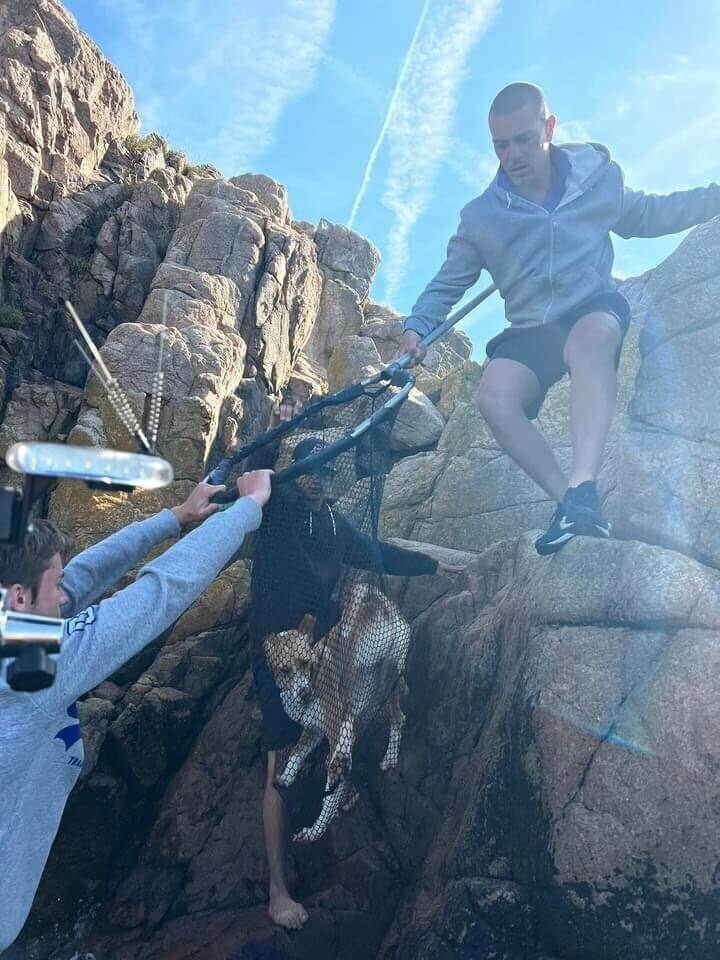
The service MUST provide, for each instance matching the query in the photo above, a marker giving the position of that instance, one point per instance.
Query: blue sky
(391, 96)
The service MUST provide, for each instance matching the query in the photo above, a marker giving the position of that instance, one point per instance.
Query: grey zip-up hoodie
(547, 263)
(41, 751)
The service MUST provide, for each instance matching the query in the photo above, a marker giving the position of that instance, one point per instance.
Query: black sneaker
(582, 507)
(579, 515)
(558, 533)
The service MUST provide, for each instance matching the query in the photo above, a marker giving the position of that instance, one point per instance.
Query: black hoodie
(299, 557)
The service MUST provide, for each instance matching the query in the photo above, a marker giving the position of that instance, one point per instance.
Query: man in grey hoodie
(542, 231)
(41, 750)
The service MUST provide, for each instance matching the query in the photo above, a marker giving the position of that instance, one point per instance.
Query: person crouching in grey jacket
(41, 750)
(542, 230)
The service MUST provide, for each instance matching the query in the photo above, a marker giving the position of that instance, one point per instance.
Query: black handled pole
(220, 472)
(439, 332)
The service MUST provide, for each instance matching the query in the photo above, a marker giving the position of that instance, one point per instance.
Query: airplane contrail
(386, 123)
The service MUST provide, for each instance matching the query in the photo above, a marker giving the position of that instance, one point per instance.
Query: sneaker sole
(552, 546)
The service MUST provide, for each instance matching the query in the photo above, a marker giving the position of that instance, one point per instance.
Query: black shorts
(540, 348)
(279, 730)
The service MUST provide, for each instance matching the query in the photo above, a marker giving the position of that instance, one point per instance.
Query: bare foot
(286, 912)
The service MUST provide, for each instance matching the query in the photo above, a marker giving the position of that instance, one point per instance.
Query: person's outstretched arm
(655, 215)
(88, 575)
(265, 457)
(363, 552)
(103, 637)
(461, 269)
(406, 563)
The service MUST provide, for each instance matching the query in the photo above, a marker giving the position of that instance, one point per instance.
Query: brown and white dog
(332, 686)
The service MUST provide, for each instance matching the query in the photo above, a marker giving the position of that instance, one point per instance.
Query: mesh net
(320, 619)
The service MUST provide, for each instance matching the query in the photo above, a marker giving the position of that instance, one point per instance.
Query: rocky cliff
(557, 793)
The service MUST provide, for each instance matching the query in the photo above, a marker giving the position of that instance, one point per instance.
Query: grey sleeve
(461, 269)
(102, 638)
(655, 215)
(92, 572)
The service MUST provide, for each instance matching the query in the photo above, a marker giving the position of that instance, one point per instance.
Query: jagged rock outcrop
(555, 797)
(39, 411)
(579, 797)
(346, 256)
(62, 107)
(666, 477)
(468, 494)
(61, 101)
(132, 242)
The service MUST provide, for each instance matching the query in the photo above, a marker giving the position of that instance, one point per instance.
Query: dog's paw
(339, 767)
(389, 762)
(351, 801)
(310, 834)
(289, 774)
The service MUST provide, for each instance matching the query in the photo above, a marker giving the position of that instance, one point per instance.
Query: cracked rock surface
(557, 793)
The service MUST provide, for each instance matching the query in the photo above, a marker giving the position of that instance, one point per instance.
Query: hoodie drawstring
(332, 520)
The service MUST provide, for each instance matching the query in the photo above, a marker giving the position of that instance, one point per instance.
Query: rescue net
(327, 640)
(320, 620)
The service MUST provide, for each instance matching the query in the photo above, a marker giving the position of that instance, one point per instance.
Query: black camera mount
(29, 639)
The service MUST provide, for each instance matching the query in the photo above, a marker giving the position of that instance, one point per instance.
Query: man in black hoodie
(303, 545)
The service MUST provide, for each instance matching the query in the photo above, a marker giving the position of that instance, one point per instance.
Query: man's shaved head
(517, 96)
(521, 133)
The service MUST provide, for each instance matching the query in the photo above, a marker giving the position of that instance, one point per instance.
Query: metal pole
(439, 332)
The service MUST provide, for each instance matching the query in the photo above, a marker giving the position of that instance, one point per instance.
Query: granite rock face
(62, 102)
(555, 798)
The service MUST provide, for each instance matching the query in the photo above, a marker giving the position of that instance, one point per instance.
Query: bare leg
(590, 356)
(283, 910)
(505, 388)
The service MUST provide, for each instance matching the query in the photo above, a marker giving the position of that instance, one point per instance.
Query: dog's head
(292, 657)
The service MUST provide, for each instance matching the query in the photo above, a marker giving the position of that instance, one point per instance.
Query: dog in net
(328, 644)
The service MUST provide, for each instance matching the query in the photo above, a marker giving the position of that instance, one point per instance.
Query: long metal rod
(220, 472)
(90, 362)
(332, 450)
(115, 393)
(156, 396)
(95, 353)
(439, 332)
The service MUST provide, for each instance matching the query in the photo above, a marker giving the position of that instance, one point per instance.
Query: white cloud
(571, 131)
(273, 62)
(363, 86)
(671, 127)
(392, 104)
(421, 127)
(474, 168)
(541, 17)
(138, 23)
(247, 68)
(685, 158)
